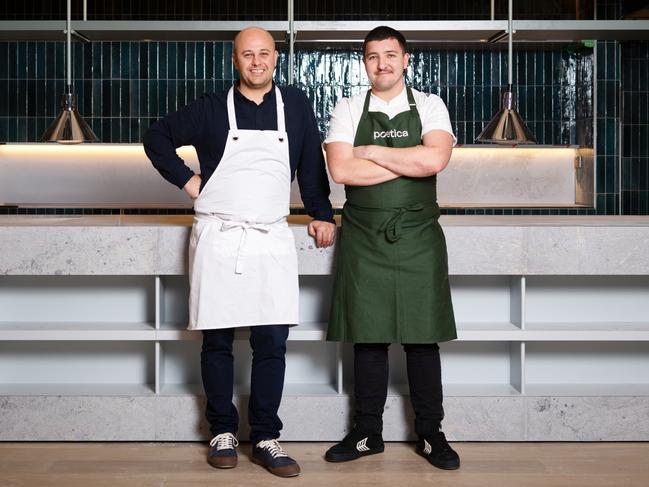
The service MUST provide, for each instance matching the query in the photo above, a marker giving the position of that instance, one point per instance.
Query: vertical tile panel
(153, 52)
(115, 60)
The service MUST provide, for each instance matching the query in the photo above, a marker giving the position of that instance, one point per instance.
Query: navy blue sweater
(204, 124)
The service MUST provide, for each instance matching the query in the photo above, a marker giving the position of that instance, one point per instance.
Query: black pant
(268, 344)
(371, 386)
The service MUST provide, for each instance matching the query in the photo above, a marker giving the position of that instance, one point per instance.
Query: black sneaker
(222, 453)
(438, 452)
(355, 445)
(269, 454)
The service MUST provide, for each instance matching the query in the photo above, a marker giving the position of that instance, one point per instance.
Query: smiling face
(385, 62)
(255, 58)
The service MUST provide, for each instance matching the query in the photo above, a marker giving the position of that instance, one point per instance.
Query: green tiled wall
(124, 86)
(608, 125)
(635, 128)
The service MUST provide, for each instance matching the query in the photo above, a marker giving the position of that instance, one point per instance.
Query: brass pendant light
(507, 127)
(69, 127)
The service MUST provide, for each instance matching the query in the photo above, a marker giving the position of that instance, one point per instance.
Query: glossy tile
(124, 86)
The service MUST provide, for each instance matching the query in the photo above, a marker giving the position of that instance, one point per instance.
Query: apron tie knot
(244, 226)
(393, 225)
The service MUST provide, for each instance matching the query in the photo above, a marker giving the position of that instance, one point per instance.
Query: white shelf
(467, 332)
(479, 332)
(443, 31)
(578, 30)
(76, 389)
(56, 331)
(181, 389)
(585, 332)
(302, 332)
(289, 390)
(176, 331)
(135, 30)
(452, 389)
(482, 390)
(413, 30)
(447, 31)
(586, 390)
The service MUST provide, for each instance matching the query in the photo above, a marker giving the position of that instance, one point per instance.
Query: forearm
(361, 172)
(418, 161)
(184, 127)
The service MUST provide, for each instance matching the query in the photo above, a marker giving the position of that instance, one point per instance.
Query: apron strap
(393, 225)
(366, 105)
(245, 228)
(281, 122)
(411, 102)
(281, 119)
(232, 117)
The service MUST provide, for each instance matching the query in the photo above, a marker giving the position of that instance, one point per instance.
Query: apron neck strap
(366, 105)
(232, 117)
(411, 101)
(281, 122)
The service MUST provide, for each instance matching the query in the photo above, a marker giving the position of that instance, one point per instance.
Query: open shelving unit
(549, 341)
(517, 335)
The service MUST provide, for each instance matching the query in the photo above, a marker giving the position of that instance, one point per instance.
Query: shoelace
(224, 441)
(273, 448)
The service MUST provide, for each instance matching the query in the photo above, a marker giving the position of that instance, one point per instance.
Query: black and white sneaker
(438, 452)
(355, 445)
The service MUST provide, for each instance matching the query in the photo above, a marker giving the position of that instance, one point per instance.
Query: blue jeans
(268, 344)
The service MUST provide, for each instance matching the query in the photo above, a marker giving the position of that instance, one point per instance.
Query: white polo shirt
(347, 114)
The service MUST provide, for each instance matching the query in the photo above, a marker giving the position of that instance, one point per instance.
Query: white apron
(242, 259)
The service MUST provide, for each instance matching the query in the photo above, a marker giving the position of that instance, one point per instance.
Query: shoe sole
(440, 466)
(344, 458)
(222, 466)
(262, 464)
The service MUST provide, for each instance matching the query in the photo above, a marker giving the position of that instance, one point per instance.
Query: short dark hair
(382, 33)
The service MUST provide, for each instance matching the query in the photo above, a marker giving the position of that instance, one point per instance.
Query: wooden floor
(183, 464)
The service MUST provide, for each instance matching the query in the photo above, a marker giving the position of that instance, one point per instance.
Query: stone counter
(553, 333)
(477, 245)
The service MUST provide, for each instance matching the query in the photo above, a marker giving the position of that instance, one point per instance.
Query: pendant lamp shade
(69, 126)
(507, 127)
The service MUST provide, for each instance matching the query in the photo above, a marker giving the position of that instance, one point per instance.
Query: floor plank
(183, 464)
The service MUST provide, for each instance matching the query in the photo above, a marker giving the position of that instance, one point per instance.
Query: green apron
(391, 283)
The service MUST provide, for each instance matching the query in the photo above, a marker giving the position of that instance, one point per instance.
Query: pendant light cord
(510, 43)
(291, 40)
(69, 46)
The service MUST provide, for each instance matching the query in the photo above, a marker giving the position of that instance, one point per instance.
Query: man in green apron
(391, 285)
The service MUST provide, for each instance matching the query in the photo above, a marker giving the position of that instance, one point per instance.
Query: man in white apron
(251, 140)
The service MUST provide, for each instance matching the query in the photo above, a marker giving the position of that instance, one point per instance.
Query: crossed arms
(367, 165)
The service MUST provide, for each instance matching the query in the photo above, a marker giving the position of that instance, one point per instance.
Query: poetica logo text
(390, 134)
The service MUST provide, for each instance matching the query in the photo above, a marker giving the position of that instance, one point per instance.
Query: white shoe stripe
(362, 445)
(427, 448)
